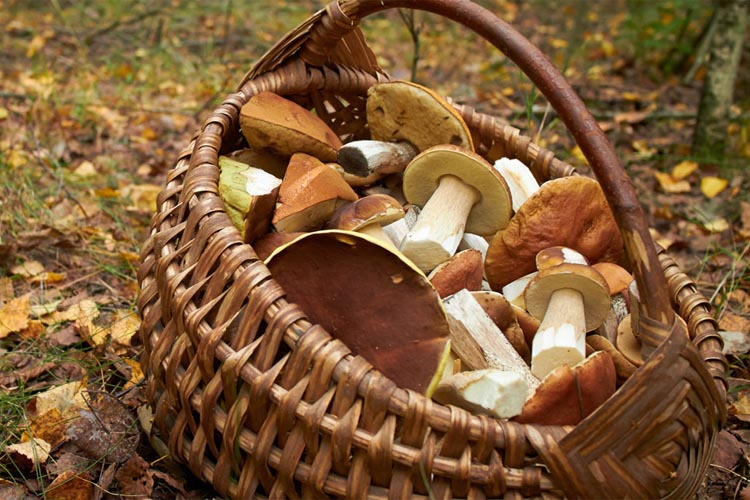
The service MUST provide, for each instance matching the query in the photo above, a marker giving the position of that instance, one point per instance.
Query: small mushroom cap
(627, 344)
(422, 177)
(556, 255)
(372, 299)
(375, 208)
(569, 211)
(272, 123)
(617, 277)
(504, 315)
(405, 111)
(568, 395)
(463, 270)
(584, 279)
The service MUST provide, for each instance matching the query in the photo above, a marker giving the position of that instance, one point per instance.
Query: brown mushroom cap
(582, 278)
(503, 314)
(375, 208)
(272, 123)
(616, 276)
(422, 177)
(570, 211)
(627, 344)
(568, 395)
(463, 270)
(406, 111)
(372, 299)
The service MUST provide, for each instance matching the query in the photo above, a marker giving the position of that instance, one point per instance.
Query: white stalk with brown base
(440, 226)
(570, 299)
(458, 191)
(561, 338)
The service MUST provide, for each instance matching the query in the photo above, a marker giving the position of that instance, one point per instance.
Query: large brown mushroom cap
(272, 123)
(422, 177)
(568, 395)
(372, 299)
(571, 212)
(406, 111)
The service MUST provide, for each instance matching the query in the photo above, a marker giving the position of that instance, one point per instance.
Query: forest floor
(98, 98)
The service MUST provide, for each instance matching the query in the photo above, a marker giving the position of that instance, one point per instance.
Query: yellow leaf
(716, 225)
(3, 113)
(684, 169)
(67, 399)
(143, 197)
(642, 147)
(122, 329)
(48, 277)
(14, 315)
(578, 154)
(669, 185)
(711, 186)
(86, 169)
(136, 373)
(30, 454)
(28, 268)
(35, 45)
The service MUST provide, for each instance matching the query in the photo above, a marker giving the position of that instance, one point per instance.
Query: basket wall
(256, 400)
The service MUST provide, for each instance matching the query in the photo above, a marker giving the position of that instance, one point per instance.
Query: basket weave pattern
(256, 400)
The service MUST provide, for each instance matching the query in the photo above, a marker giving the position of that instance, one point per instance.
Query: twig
(414, 31)
(227, 27)
(119, 22)
(700, 54)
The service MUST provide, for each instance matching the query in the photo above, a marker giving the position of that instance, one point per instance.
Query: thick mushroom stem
(366, 157)
(561, 338)
(440, 226)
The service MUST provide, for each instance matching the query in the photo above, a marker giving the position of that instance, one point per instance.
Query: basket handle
(590, 138)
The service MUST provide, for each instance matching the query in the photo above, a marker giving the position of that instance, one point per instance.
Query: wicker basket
(258, 401)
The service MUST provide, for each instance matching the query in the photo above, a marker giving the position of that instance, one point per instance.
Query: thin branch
(119, 22)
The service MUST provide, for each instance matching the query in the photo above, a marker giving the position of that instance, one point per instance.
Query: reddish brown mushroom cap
(571, 212)
(568, 395)
(372, 299)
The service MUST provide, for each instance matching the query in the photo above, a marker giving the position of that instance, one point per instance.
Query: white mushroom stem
(498, 393)
(513, 291)
(440, 226)
(519, 179)
(364, 158)
(398, 230)
(561, 338)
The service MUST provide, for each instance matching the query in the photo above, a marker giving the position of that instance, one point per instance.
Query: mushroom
(463, 271)
(458, 191)
(272, 123)
(266, 244)
(404, 119)
(569, 211)
(368, 215)
(370, 298)
(477, 340)
(273, 164)
(627, 344)
(309, 194)
(569, 394)
(569, 299)
(618, 279)
(249, 196)
(505, 316)
(498, 393)
(398, 230)
(513, 291)
(520, 180)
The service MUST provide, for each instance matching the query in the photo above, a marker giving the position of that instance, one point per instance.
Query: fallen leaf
(712, 186)
(684, 169)
(67, 399)
(3, 113)
(14, 315)
(135, 478)
(28, 455)
(735, 342)
(6, 289)
(142, 197)
(28, 269)
(47, 277)
(734, 322)
(717, 225)
(669, 185)
(86, 169)
(70, 485)
(741, 406)
(136, 373)
(49, 426)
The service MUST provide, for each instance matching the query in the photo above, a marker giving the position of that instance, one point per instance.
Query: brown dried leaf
(49, 426)
(135, 478)
(14, 315)
(106, 430)
(70, 486)
(28, 455)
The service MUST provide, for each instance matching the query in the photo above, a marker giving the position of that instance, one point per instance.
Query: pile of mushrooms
(455, 274)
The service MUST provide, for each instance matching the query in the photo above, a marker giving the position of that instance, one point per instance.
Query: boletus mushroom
(458, 191)
(569, 211)
(570, 299)
(372, 299)
(404, 119)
